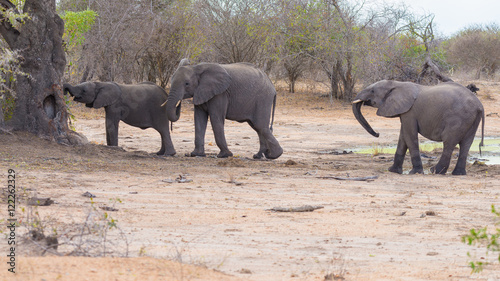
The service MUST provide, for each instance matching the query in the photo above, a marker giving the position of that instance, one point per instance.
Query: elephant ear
(398, 100)
(106, 94)
(213, 80)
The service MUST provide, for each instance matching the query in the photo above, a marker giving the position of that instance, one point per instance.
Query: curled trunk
(356, 109)
(67, 88)
(173, 107)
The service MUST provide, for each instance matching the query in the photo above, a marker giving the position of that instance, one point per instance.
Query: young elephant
(137, 105)
(239, 92)
(447, 112)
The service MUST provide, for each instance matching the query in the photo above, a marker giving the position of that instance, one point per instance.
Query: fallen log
(370, 178)
(305, 208)
(429, 63)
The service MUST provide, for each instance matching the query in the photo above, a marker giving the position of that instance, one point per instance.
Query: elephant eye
(187, 83)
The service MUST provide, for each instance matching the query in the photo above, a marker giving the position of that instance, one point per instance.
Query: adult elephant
(447, 112)
(239, 92)
(138, 105)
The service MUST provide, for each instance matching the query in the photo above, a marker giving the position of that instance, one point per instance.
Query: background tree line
(336, 42)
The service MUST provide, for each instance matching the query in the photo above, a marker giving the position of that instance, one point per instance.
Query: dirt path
(396, 227)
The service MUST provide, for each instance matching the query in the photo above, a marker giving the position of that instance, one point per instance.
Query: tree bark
(40, 107)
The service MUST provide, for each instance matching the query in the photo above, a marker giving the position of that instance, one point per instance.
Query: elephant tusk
(177, 105)
(163, 104)
(357, 101)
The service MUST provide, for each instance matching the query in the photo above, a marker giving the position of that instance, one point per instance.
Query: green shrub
(481, 237)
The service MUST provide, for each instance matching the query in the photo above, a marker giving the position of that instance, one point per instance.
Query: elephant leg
(217, 123)
(462, 157)
(111, 130)
(399, 157)
(200, 127)
(409, 131)
(269, 145)
(416, 161)
(263, 145)
(167, 147)
(275, 149)
(464, 152)
(262, 148)
(444, 162)
(465, 144)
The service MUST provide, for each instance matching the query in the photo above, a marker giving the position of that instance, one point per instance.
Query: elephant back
(250, 76)
(144, 96)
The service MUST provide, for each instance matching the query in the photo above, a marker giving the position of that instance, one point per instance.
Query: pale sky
(452, 16)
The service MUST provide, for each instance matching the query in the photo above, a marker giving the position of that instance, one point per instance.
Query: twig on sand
(305, 208)
(232, 181)
(370, 178)
(107, 208)
(180, 179)
(37, 201)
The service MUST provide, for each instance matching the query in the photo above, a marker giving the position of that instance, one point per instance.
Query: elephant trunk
(356, 109)
(173, 107)
(68, 88)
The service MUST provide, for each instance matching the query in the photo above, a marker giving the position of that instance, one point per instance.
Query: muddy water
(490, 150)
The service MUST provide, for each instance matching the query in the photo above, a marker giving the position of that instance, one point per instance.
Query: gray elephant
(446, 112)
(239, 92)
(138, 105)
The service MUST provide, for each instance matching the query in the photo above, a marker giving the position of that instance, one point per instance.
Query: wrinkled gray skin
(138, 105)
(447, 112)
(239, 92)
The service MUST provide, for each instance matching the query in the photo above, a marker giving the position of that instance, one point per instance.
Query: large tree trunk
(40, 107)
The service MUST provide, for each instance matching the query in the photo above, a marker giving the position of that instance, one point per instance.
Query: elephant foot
(195, 154)
(397, 170)
(166, 153)
(275, 155)
(225, 154)
(416, 171)
(439, 170)
(258, 155)
(397, 165)
(459, 172)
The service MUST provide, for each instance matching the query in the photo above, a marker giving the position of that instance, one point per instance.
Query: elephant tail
(272, 118)
(482, 133)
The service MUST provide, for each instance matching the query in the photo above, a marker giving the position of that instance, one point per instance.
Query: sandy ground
(214, 223)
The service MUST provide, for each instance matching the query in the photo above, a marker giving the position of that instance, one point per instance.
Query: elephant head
(94, 94)
(200, 82)
(472, 88)
(392, 99)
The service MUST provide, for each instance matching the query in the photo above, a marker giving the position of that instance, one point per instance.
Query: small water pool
(490, 150)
